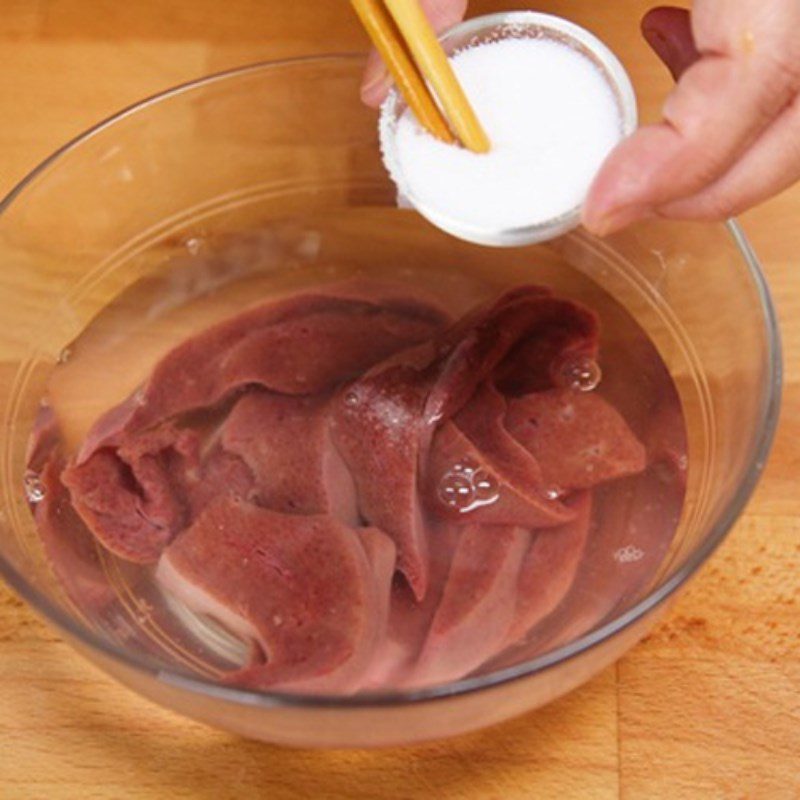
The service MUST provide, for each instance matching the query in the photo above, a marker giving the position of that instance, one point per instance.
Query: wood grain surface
(707, 706)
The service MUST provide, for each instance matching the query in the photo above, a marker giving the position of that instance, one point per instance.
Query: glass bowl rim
(763, 438)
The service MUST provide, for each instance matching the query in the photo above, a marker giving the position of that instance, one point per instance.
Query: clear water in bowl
(632, 520)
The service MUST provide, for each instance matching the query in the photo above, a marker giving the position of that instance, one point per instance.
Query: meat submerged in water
(286, 444)
(302, 345)
(133, 498)
(138, 474)
(303, 587)
(477, 605)
(386, 421)
(374, 495)
(578, 438)
(477, 468)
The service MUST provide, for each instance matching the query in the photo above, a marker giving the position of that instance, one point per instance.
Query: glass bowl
(493, 28)
(294, 188)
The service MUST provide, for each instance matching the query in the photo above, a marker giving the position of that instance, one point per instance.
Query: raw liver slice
(133, 498)
(376, 426)
(477, 441)
(471, 623)
(302, 346)
(104, 499)
(287, 446)
(559, 329)
(549, 568)
(634, 522)
(665, 438)
(410, 619)
(302, 587)
(384, 422)
(71, 550)
(480, 344)
(578, 439)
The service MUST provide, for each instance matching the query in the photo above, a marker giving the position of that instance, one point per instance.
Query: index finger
(720, 106)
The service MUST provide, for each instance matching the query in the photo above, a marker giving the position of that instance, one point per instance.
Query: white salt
(552, 118)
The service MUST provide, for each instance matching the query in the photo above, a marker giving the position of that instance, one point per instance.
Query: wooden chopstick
(387, 39)
(405, 20)
(434, 65)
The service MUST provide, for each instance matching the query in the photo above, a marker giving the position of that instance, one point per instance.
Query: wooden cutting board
(707, 706)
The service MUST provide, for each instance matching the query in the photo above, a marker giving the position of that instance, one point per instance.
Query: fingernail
(617, 219)
(373, 92)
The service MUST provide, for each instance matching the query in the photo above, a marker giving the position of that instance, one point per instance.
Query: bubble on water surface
(467, 486)
(34, 489)
(194, 244)
(581, 373)
(486, 487)
(65, 355)
(351, 399)
(552, 492)
(628, 554)
(456, 490)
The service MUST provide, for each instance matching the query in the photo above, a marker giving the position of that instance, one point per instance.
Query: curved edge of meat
(132, 498)
(472, 620)
(303, 587)
(70, 549)
(475, 451)
(634, 523)
(268, 345)
(410, 619)
(578, 438)
(523, 332)
(375, 426)
(287, 444)
(549, 568)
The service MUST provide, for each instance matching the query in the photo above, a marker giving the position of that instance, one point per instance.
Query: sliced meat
(285, 441)
(665, 438)
(133, 499)
(105, 498)
(246, 462)
(376, 426)
(382, 556)
(635, 520)
(577, 438)
(557, 331)
(384, 423)
(393, 664)
(473, 348)
(302, 587)
(302, 345)
(472, 621)
(549, 568)
(477, 472)
(71, 550)
(220, 473)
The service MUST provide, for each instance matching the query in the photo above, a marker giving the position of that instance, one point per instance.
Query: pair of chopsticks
(402, 35)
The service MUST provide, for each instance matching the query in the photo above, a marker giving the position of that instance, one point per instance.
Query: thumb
(669, 32)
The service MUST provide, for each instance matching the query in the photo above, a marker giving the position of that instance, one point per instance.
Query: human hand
(376, 82)
(730, 137)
